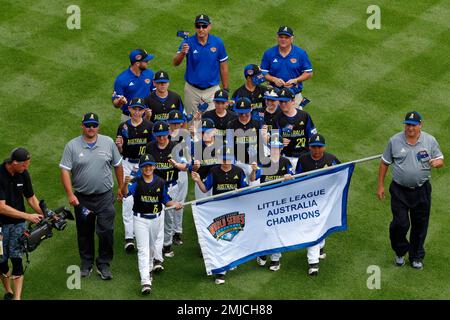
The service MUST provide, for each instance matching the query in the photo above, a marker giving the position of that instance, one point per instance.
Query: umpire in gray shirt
(412, 153)
(86, 165)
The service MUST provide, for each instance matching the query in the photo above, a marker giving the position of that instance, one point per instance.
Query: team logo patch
(293, 60)
(138, 57)
(213, 49)
(147, 81)
(227, 226)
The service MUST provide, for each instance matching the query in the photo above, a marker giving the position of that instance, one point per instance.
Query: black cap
(317, 140)
(161, 76)
(19, 154)
(137, 102)
(413, 118)
(285, 94)
(285, 30)
(90, 117)
(202, 18)
(146, 160)
(243, 105)
(221, 95)
(175, 116)
(207, 124)
(161, 128)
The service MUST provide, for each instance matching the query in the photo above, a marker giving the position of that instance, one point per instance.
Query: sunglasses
(201, 26)
(91, 125)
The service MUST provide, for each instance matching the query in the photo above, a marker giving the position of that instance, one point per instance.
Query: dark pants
(101, 221)
(410, 207)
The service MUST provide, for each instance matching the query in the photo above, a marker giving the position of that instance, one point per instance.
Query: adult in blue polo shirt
(287, 65)
(206, 65)
(134, 82)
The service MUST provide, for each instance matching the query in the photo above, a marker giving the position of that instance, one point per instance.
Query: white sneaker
(274, 266)
(261, 261)
(146, 289)
(220, 279)
(399, 261)
(313, 269)
(322, 255)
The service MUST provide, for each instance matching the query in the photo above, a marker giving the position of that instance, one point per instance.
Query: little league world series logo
(227, 226)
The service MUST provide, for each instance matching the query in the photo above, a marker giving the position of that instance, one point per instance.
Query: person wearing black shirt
(315, 159)
(252, 88)
(150, 194)
(161, 101)
(270, 109)
(132, 138)
(15, 184)
(168, 164)
(296, 126)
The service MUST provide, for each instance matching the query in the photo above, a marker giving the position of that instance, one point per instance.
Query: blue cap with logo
(413, 118)
(243, 105)
(146, 160)
(317, 140)
(161, 128)
(137, 102)
(175, 116)
(139, 55)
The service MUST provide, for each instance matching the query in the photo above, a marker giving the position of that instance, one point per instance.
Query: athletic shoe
(129, 245)
(177, 239)
(167, 251)
(157, 266)
(234, 268)
(84, 273)
(146, 289)
(417, 264)
(261, 261)
(322, 255)
(274, 265)
(313, 269)
(104, 273)
(8, 296)
(399, 261)
(220, 279)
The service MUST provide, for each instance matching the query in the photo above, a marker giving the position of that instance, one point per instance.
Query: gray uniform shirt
(91, 168)
(411, 163)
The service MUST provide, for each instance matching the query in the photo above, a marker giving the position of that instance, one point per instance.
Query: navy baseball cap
(137, 102)
(161, 128)
(413, 118)
(175, 116)
(221, 95)
(161, 77)
(251, 70)
(207, 124)
(202, 18)
(139, 55)
(285, 30)
(146, 160)
(285, 94)
(271, 94)
(243, 105)
(90, 117)
(19, 154)
(317, 140)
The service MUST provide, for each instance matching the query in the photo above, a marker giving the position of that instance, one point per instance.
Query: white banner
(281, 217)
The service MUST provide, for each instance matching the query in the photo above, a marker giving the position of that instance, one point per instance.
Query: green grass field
(364, 82)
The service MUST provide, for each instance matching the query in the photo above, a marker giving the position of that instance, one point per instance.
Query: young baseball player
(222, 178)
(132, 137)
(150, 194)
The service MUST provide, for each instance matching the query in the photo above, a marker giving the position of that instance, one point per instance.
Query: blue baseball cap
(271, 94)
(90, 117)
(161, 77)
(175, 116)
(207, 124)
(285, 30)
(221, 95)
(161, 128)
(202, 18)
(137, 102)
(146, 160)
(243, 105)
(251, 70)
(414, 118)
(285, 94)
(317, 140)
(139, 55)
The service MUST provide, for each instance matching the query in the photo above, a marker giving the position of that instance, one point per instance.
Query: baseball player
(296, 126)
(176, 121)
(270, 109)
(150, 194)
(168, 166)
(317, 158)
(278, 167)
(162, 100)
(134, 82)
(222, 178)
(132, 138)
(252, 88)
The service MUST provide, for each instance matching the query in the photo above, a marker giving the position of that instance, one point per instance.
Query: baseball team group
(223, 141)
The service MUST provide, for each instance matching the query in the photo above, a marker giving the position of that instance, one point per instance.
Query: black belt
(149, 216)
(409, 188)
(130, 160)
(198, 87)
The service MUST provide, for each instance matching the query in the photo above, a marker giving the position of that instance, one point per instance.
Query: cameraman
(15, 183)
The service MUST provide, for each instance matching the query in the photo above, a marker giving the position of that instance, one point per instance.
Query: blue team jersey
(286, 68)
(130, 86)
(203, 62)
